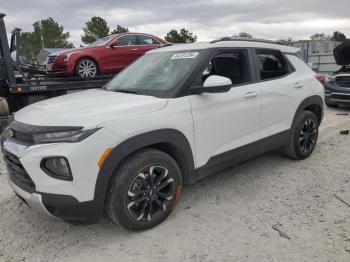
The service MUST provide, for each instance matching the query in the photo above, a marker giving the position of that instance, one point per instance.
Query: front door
(227, 121)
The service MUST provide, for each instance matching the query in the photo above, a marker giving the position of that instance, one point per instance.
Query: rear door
(281, 91)
(146, 43)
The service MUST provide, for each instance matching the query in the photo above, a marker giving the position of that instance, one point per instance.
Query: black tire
(304, 136)
(91, 68)
(130, 185)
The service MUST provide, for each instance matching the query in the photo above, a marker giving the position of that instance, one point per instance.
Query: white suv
(171, 118)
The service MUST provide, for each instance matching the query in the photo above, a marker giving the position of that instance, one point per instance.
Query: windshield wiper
(127, 91)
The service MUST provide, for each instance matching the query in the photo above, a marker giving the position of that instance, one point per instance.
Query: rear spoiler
(342, 53)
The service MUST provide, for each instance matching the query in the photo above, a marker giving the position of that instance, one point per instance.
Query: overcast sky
(272, 19)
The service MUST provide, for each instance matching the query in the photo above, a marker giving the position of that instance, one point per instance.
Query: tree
(94, 29)
(285, 41)
(119, 30)
(320, 36)
(184, 36)
(338, 36)
(244, 34)
(47, 33)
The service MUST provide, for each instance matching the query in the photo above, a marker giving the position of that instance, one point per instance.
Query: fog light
(57, 167)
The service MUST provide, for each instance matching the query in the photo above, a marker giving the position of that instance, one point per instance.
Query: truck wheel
(86, 67)
(144, 190)
(304, 136)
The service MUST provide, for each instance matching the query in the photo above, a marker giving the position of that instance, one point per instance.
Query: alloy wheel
(308, 135)
(87, 68)
(150, 193)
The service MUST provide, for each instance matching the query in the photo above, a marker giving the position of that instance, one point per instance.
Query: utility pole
(41, 36)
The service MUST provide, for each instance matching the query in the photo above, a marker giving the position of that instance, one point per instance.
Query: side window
(127, 40)
(271, 64)
(230, 64)
(146, 40)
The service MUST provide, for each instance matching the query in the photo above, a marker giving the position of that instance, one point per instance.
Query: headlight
(67, 136)
(67, 56)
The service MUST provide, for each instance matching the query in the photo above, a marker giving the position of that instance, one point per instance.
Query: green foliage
(320, 36)
(285, 41)
(184, 36)
(94, 29)
(47, 33)
(338, 36)
(244, 34)
(119, 30)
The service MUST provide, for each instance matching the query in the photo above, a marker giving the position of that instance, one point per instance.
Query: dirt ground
(230, 216)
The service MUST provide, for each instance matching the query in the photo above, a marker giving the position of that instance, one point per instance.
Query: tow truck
(23, 84)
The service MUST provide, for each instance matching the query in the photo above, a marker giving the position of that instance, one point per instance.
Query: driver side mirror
(213, 84)
(115, 43)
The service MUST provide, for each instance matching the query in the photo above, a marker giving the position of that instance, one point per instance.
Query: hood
(73, 50)
(342, 53)
(88, 108)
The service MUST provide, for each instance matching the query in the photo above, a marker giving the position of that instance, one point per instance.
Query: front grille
(340, 97)
(51, 59)
(343, 81)
(17, 173)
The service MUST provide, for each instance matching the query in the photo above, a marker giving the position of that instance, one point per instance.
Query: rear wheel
(86, 67)
(304, 136)
(144, 190)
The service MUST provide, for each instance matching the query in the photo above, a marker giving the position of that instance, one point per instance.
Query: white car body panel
(88, 108)
(224, 121)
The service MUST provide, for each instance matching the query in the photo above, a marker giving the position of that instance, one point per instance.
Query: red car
(107, 55)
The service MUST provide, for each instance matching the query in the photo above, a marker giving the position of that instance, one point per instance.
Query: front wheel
(86, 68)
(144, 190)
(304, 136)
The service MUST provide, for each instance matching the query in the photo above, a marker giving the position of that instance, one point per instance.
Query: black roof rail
(248, 39)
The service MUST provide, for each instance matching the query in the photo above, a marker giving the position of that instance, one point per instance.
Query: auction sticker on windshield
(188, 55)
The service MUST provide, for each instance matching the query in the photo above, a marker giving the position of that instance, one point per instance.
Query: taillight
(321, 78)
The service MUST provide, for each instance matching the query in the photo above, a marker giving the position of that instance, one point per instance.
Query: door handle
(298, 85)
(251, 95)
(134, 49)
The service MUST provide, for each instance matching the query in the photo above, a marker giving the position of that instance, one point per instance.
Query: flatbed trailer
(24, 84)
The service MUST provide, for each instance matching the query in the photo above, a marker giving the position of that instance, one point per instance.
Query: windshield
(101, 41)
(155, 73)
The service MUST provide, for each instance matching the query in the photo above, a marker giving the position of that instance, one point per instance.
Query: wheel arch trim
(310, 101)
(133, 144)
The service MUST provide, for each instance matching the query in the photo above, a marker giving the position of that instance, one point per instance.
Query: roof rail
(248, 39)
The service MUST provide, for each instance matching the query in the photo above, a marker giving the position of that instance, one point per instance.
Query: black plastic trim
(230, 158)
(27, 128)
(51, 174)
(312, 100)
(121, 151)
(70, 209)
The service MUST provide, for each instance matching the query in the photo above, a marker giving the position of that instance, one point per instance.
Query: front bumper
(73, 201)
(335, 94)
(33, 200)
(337, 98)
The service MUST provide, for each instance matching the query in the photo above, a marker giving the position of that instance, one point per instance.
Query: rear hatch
(342, 53)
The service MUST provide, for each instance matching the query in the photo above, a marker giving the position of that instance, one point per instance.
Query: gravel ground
(226, 217)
